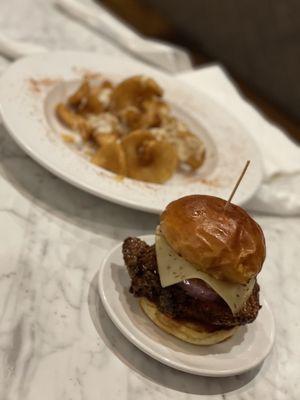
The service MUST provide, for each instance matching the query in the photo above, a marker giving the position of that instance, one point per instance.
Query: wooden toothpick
(237, 184)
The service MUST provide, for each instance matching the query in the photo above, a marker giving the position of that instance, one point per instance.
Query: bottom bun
(186, 331)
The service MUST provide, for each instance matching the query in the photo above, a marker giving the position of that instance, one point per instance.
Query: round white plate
(31, 87)
(245, 350)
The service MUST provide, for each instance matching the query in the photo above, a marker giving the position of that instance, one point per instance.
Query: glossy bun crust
(226, 244)
(190, 332)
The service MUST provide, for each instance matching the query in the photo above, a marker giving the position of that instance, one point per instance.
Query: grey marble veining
(56, 341)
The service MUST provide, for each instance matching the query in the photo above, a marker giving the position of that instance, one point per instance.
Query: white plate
(31, 87)
(245, 350)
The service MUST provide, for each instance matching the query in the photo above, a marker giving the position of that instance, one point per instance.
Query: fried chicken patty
(141, 263)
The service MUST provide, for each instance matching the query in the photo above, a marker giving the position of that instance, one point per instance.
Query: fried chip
(111, 157)
(149, 159)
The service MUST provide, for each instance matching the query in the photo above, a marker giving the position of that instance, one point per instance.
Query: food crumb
(68, 138)
(119, 178)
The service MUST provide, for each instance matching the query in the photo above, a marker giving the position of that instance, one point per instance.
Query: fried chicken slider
(198, 282)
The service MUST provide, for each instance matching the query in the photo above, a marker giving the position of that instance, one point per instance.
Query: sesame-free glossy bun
(189, 332)
(226, 244)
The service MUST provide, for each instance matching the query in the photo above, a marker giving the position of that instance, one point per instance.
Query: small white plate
(245, 350)
(31, 87)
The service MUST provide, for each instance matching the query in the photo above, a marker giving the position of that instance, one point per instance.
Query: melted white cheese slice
(173, 269)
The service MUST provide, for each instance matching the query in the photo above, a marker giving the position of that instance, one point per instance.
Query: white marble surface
(56, 341)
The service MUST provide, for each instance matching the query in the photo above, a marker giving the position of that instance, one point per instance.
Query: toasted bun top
(226, 244)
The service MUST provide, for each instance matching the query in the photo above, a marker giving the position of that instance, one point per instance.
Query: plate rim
(166, 360)
(87, 186)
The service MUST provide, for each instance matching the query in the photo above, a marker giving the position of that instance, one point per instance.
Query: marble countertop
(56, 341)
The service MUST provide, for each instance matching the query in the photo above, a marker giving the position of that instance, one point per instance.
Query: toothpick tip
(237, 184)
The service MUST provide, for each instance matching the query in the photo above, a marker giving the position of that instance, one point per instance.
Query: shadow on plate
(64, 201)
(151, 369)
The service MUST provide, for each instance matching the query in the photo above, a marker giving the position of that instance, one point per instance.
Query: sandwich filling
(174, 269)
(183, 293)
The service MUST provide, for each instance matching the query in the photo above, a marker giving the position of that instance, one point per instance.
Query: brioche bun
(226, 244)
(187, 331)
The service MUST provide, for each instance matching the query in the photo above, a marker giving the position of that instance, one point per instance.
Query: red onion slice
(198, 289)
